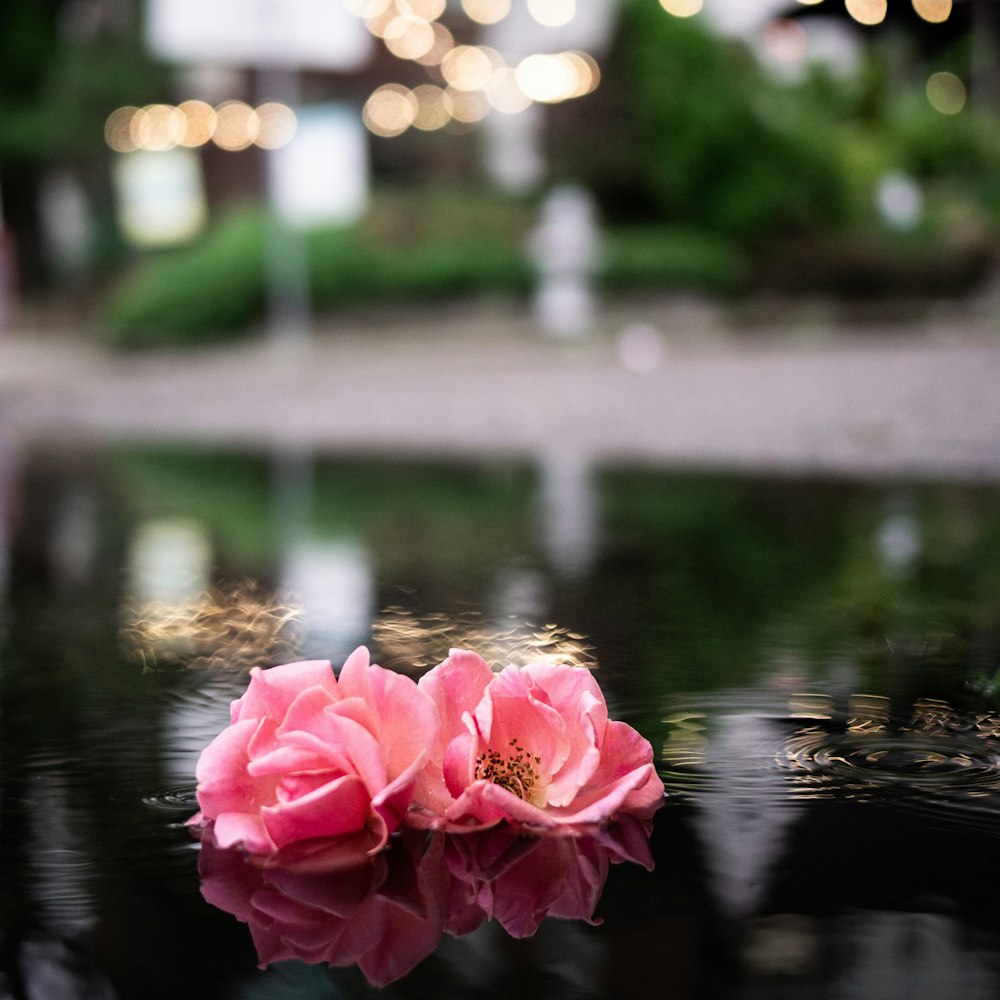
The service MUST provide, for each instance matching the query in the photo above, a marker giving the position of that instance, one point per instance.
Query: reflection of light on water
(568, 512)
(410, 642)
(231, 630)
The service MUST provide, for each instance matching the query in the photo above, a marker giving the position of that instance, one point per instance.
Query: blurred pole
(8, 275)
(985, 75)
(286, 255)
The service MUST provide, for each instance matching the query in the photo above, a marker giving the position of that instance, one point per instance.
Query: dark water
(812, 660)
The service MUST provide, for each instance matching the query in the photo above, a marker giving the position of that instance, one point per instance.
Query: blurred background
(314, 155)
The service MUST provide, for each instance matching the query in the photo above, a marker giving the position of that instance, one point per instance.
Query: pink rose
(309, 756)
(531, 745)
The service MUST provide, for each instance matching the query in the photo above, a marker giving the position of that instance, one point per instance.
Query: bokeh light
(390, 110)
(946, 93)
(558, 77)
(433, 107)
(157, 127)
(118, 129)
(468, 106)
(425, 10)
(368, 8)
(552, 13)
(409, 37)
(379, 23)
(681, 8)
(934, 11)
(469, 67)
(443, 43)
(199, 122)
(276, 125)
(867, 11)
(486, 11)
(236, 126)
(504, 94)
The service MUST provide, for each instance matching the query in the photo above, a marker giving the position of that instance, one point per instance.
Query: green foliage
(713, 153)
(413, 246)
(650, 257)
(59, 83)
(216, 285)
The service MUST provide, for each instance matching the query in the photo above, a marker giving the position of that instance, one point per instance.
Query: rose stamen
(515, 771)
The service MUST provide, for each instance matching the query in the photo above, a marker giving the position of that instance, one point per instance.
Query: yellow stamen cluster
(515, 772)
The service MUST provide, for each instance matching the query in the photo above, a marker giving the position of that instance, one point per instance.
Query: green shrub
(715, 150)
(649, 257)
(214, 287)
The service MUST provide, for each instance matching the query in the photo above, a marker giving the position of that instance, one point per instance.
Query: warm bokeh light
(867, 11)
(559, 77)
(118, 129)
(233, 125)
(433, 107)
(504, 94)
(552, 13)
(199, 123)
(785, 39)
(157, 127)
(810, 3)
(946, 93)
(425, 10)
(468, 106)
(276, 125)
(368, 8)
(486, 11)
(681, 8)
(408, 37)
(379, 23)
(236, 126)
(934, 11)
(390, 110)
(586, 70)
(469, 67)
(443, 43)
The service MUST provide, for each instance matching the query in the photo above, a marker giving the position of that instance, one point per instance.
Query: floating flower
(308, 756)
(531, 745)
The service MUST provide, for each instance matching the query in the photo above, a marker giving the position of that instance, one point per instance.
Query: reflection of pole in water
(568, 511)
(743, 818)
(7, 466)
(331, 581)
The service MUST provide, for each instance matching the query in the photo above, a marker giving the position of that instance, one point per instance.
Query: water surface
(813, 661)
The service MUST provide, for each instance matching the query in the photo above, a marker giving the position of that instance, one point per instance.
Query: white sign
(161, 199)
(259, 33)
(321, 176)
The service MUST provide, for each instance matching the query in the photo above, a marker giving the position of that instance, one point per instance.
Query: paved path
(919, 400)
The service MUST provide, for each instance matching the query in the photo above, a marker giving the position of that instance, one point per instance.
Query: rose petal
(339, 807)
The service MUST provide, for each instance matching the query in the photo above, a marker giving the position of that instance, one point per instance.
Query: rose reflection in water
(330, 903)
